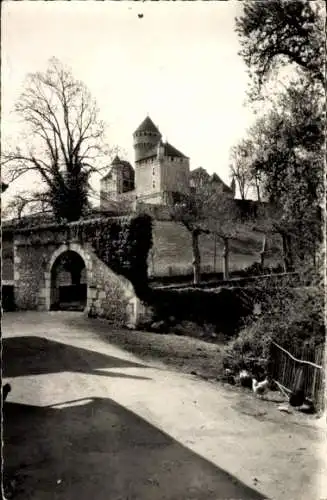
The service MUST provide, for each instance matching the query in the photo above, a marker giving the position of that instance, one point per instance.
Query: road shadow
(98, 449)
(33, 355)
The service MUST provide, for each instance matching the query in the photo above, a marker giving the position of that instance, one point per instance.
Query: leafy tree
(288, 144)
(64, 140)
(281, 32)
(288, 141)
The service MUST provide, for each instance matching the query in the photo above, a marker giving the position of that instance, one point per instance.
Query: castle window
(153, 184)
(153, 171)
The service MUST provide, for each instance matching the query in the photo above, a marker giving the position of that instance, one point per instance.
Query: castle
(161, 176)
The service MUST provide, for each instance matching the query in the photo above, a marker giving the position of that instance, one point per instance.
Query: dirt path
(86, 418)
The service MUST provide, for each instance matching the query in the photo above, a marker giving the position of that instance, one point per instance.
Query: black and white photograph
(163, 250)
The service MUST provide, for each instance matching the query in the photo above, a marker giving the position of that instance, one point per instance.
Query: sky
(179, 63)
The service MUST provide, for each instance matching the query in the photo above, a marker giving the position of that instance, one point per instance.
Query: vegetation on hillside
(285, 147)
(290, 316)
(208, 210)
(285, 154)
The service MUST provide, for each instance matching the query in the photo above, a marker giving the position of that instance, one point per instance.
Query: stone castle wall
(175, 175)
(147, 177)
(108, 295)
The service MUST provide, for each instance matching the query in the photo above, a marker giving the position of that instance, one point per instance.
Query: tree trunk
(226, 259)
(215, 253)
(196, 257)
(258, 192)
(287, 253)
(263, 252)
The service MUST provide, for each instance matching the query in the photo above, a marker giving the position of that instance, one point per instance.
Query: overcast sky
(179, 64)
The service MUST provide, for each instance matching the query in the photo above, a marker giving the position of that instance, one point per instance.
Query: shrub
(222, 307)
(291, 317)
(256, 270)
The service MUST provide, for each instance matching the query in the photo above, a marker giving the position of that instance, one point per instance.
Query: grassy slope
(172, 249)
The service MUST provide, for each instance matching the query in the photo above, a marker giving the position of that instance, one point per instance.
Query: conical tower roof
(147, 126)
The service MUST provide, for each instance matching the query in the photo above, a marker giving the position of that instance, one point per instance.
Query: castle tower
(161, 171)
(146, 138)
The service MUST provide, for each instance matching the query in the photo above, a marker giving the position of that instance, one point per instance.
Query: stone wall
(7, 256)
(175, 175)
(109, 295)
(147, 177)
(120, 203)
(30, 266)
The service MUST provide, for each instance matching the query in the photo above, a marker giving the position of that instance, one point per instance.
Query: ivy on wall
(122, 243)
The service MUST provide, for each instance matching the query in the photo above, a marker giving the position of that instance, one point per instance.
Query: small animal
(307, 406)
(5, 391)
(259, 388)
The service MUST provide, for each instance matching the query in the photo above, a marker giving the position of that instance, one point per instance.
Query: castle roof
(215, 178)
(201, 176)
(199, 172)
(147, 126)
(116, 160)
(171, 151)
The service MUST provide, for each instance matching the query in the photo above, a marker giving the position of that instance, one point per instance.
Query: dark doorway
(68, 283)
(8, 298)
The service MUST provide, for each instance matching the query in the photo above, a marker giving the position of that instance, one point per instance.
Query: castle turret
(119, 180)
(146, 138)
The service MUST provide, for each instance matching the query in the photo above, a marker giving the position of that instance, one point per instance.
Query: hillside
(172, 252)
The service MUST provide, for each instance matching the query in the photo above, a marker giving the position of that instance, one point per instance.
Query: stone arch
(80, 251)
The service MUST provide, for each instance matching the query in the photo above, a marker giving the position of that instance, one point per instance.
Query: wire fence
(304, 366)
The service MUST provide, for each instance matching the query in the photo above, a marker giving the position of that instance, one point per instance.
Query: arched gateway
(52, 271)
(68, 279)
(68, 282)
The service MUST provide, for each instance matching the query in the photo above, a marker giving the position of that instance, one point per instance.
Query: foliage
(288, 149)
(123, 244)
(279, 32)
(256, 270)
(64, 141)
(222, 307)
(286, 144)
(290, 317)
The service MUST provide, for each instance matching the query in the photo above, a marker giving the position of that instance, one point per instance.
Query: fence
(307, 362)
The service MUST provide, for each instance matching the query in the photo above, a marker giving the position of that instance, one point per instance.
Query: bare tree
(206, 210)
(64, 139)
(24, 203)
(189, 211)
(242, 168)
(239, 167)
